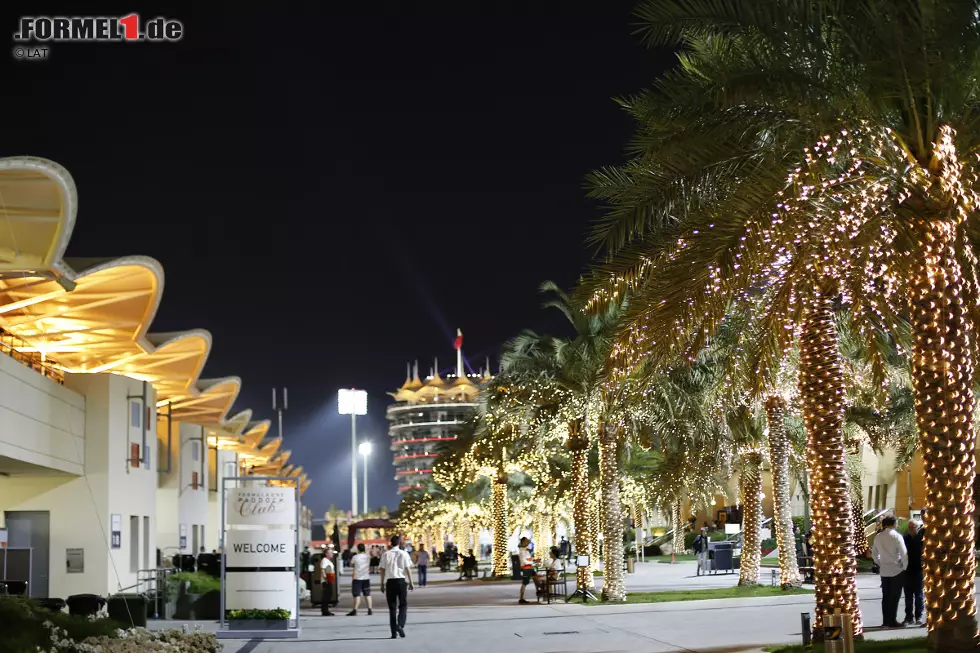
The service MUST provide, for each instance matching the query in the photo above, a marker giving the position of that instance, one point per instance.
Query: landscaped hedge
(24, 627)
(27, 627)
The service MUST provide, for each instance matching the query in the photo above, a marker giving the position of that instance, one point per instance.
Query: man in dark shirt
(913, 575)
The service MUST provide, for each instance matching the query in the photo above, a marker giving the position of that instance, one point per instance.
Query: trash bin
(54, 605)
(128, 609)
(83, 605)
(515, 567)
(15, 587)
(629, 565)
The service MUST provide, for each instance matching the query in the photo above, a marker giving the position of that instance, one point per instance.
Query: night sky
(331, 194)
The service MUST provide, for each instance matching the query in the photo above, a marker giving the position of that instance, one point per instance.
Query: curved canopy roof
(94, 316)
(37, 215)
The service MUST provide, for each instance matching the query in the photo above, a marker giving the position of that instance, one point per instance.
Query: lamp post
(365, 450)
(352, 402)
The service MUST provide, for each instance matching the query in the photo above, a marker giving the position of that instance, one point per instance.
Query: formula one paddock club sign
(260, 545)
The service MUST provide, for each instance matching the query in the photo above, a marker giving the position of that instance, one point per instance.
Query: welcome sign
(261, 591)
(261, 506)
(261, 548)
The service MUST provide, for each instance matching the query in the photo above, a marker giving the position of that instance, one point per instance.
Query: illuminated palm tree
(568, 394)
(758, 84)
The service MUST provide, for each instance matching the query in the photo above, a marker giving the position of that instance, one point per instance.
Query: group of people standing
(899, 560)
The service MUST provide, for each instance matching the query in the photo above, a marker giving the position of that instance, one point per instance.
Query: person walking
(361, 580)
(396, 578)
(892, 558)
(527, 567)
(701, 548)
(913, 574)
(423, 566)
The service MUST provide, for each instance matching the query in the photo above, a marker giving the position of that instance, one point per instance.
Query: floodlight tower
(352, 402)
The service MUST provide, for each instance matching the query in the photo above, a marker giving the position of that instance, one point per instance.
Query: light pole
(365, 450)
(352, 402)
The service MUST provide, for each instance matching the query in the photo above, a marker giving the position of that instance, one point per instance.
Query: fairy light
(500, 526)
(578, 445)
(789, 573)
(750, 481)
(613, 584)
(942, 372)
(822, 393)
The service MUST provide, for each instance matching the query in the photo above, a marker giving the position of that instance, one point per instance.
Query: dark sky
(332, 194)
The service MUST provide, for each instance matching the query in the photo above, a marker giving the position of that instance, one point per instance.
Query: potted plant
(277, 619)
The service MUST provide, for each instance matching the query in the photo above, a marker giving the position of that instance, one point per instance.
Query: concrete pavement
(483, 617)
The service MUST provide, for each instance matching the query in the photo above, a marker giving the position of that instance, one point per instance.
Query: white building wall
(226, 464)
(182, 498)
(41, 421)
(168, 517)
(192, 496)
(80, 507)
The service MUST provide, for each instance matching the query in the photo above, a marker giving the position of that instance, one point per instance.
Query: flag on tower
(458, 343)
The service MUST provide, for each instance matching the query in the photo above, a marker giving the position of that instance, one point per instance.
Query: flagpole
(459, 353)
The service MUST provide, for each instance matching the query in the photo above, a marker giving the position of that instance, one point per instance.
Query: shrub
(798, 522)
(270, 615)
(769, 544)
(201, 583)
(24, 626)
(138, 640)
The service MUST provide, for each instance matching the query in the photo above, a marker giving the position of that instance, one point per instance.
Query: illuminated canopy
(93, 316)
(37, 213)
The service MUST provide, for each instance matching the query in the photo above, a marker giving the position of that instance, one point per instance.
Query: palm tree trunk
(595, 529)
(677, 539)
(613, 584)
(942, 376)
(822, 392)
(501, 533)
(789, 572)
(751, 484)
(861, 549)
(578, 444)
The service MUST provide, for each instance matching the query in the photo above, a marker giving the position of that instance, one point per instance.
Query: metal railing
(11, 345)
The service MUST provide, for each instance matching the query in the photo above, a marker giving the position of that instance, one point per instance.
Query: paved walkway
(483, 617)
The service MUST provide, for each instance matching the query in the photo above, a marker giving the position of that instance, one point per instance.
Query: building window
(135, 415)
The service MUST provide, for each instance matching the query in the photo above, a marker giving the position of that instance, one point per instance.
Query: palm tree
(746, 429)
(779, 457)
(567, 382)
(745, 261)
(761, 81)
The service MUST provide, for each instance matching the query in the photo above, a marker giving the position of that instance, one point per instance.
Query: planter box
(258, 624)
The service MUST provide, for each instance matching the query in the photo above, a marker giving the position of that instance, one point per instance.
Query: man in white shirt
(892, 557)
(396, 578)
(527, 566)
(361, 583)
(328, 578)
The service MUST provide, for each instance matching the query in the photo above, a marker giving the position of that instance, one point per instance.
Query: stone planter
(258, 624)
